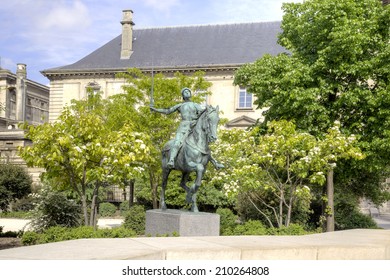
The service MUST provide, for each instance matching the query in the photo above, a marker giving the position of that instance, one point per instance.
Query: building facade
(218, 50)
(21, 100)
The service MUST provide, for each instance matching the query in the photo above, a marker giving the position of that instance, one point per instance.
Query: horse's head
(212, 119)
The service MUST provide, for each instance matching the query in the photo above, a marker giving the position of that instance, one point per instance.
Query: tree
(336, 70)
(81, 152)
(15, 183)
(278, 169)
(132, 107)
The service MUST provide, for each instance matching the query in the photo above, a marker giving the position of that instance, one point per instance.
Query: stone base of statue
(183, 223)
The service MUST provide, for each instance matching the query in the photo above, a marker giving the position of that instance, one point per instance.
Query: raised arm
(166, 111)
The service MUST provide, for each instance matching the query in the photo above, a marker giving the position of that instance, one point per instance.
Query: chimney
(21, 75)
(127, 34)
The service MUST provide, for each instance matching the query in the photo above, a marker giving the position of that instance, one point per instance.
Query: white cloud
(63, 17)
(249, 10)
(53, 33)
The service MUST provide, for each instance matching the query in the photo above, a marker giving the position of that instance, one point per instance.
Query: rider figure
(190, 112)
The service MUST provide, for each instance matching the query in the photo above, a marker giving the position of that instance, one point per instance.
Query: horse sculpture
(193, 155)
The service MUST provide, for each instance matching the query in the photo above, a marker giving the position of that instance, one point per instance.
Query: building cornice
(7, 74)
(64, 73)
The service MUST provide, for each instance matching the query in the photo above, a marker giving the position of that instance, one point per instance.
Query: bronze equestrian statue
(189, 151)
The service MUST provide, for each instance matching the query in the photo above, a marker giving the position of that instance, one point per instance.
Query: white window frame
(244, 100)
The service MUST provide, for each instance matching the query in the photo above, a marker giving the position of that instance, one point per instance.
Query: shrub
(347, 213)
(292, 229)
(135, 219)
(228, 221)
(124, 207)
(118, 232)
(353, 219)
(31, 238)
(23, 204)
(9, 233)
(15, 183)
(348, 216)
(251, 227)
(107, 209)
(54, 209)
(56, 234)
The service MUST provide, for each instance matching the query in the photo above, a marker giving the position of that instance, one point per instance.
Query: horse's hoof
(194, 208)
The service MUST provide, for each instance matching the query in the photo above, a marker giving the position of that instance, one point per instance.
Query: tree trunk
(85, 210)
(289, 211)
(330, 203)
(280, 223)
(131, 195)
(290, 205)
(94, 204)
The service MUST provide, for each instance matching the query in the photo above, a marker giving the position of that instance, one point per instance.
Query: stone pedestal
(184, 223)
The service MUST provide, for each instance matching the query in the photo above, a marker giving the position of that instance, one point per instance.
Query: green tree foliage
(15, 183)
(133, 107)
(276, 171)
(81, 152)
(337, 69)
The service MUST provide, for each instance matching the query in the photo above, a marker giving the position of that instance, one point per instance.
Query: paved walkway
(363, 244)
(360, 244)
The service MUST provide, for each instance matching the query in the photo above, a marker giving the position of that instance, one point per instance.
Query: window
(36, 110)
(92, 89)
(12, 105)
(244, 99)
(29, 109)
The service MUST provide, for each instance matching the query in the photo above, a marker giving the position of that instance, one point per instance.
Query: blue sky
(51, 33)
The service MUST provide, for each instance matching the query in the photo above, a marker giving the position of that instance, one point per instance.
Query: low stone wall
(362, 244)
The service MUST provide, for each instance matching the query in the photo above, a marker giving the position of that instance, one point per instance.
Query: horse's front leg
(165, 175)
(183, 184)
(194, 206)
(200, 169)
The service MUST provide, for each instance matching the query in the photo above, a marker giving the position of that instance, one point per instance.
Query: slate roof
(185, 47)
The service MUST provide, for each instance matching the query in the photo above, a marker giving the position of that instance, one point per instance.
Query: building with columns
(218, 50)
(21, 100)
